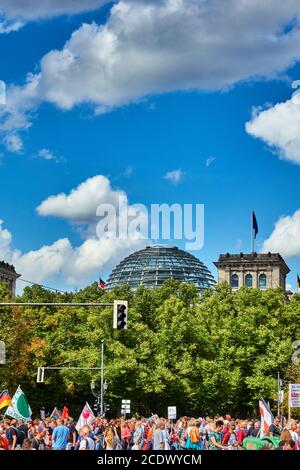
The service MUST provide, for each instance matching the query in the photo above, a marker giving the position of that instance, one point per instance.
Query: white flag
(20, 408)
(86, 418)
(266, 418)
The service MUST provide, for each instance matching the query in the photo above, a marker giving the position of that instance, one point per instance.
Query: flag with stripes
(5, 399)
(55, 413)
(266, 418)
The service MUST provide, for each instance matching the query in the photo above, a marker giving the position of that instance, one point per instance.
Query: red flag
(65, 413)
(101, 283)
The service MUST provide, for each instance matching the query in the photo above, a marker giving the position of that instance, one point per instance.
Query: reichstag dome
(152, 266)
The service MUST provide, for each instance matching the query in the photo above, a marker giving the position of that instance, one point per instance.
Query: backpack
(87, 444)
(20, 435)
(193, 436)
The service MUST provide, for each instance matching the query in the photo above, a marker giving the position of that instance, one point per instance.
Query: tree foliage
(206, 353)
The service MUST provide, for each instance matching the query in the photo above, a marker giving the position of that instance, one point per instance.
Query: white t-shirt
(87, 444)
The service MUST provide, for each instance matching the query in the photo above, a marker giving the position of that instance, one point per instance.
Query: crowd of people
(154, 433)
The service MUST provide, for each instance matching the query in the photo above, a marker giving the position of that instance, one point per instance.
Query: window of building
(262, 281)
(234, 280)
(248, 280)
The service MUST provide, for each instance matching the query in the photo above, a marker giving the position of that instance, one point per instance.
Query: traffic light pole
(102, 378)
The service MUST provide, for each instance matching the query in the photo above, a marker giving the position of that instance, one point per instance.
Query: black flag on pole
(254, 224)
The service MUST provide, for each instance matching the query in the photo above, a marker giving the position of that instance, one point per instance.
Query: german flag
(5, 399)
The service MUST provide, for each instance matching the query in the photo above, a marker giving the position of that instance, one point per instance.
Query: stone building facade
(258, 270)
(9, 276)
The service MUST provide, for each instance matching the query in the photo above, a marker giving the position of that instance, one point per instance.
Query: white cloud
(174, 176)
(46, 154)
(80, 205)
(13, 143)
(15, 13)
(285, 238)
(149, 47)
(74, 265)
(8, 26)
(209, 161)
(279, 127)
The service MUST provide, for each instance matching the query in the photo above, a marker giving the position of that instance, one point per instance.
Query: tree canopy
(206, 353)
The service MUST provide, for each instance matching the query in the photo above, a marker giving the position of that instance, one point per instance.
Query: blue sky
(135, 142)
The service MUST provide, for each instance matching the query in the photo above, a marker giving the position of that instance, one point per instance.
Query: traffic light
(120, 314)
(40, 375)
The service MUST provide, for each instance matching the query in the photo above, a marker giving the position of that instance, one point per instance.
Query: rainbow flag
(5, 399)
(55, 413)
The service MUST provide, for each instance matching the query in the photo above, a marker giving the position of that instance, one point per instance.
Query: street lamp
(99, 395)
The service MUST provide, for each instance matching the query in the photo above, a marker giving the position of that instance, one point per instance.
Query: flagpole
(252, 232)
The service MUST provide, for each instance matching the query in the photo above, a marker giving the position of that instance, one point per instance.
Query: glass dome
(152, 266)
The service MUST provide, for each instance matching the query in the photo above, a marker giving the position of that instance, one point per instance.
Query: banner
(294, 395)
(172, 412)
(86, 417)
(19, 408)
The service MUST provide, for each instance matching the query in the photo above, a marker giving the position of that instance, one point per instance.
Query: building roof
(155, 264)
(262, 259)
(8, 269)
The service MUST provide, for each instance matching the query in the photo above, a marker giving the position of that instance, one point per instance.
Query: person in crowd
(125, 434)
(22, 430)
(86, 442)
(158, 437)
(284, 437)
(38, 442)
(194, 440)
(216, 437)
(27, 444)
(275, 429)
(294, 433)
(289, 445)
(255, 432)
(73, 434)
(11, 433)
(230, 437)
(60, 436)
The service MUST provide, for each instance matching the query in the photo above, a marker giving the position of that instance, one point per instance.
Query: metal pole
(54, 304)
(279, 394)
(252, 233)
(289, 411)
(102, 377)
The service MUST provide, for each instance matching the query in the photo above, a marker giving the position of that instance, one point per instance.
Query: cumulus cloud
(279, 127)
(75, 265)
(285, 237)
(160, 46)
(13, 143)
(80, 205)
(15, 13)
(175, 176)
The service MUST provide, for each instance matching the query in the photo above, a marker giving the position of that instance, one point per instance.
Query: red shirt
(240, 434)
